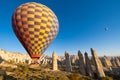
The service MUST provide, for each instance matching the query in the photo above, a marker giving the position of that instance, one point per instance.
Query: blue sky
(81, 26)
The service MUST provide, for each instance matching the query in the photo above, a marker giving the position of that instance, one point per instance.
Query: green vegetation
(107, 78)
(63, 78)
(1, 77)
(25, 69)
(9, 69)
(42, 72)
(75, 76)
(79, 77)
(53, 78)
(11, 62)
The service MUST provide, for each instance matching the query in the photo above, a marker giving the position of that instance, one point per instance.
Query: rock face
(5, 64)
(20, 58)
(117, 62)
(89, 71)
(68, 62)
(74, 60)
(92, 61)
(107, 63)
(118, 58)
(98, 64)
(1, 59)
(54, 63)
(113, 63)
(81, 63)
(14, 56)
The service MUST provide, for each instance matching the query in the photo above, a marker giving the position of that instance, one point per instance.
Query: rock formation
(89, 71)
(81, 63)
(117, 62)
(22, 58)
(1, 59)
(6, 64)
(68, 62)
(118, 58)
(44, 62)
(98, 64)
(74, 60)
(14, 56)
(54, 61)
(92, 61)
(107, 63)
(113, 63)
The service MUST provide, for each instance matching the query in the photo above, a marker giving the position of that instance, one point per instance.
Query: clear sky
(81, 26)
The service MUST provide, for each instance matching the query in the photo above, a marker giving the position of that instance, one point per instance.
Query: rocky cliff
(14, 56)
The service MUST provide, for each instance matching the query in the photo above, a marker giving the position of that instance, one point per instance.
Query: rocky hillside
(14, 56)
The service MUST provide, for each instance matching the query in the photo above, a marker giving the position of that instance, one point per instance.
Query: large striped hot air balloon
(36, 26)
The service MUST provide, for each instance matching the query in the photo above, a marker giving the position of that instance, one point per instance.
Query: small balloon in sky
(106, 28)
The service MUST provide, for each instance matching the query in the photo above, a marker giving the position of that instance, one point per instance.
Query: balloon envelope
(106, 28)
(36, 26)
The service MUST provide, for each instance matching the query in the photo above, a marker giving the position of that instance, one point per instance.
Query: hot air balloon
(106, 28)
(35, 26)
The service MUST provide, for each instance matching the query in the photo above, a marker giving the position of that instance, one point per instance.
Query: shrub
(63, 78)
(86, 78)
(9, 69)
(7, 77)
(75, 77)
(34, 78)
(1, 77)
(11, 62)
(25, 69)
(108, 78)
(52, 78)
(47, 66)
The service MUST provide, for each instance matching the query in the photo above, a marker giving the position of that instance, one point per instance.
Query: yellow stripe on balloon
(30, 15)
(31, 9)
(47, 29)
(44, 18)
(49, 24)
(37, 20)
(46, 35)
(42, 31)
(43, 24)
(30, 22)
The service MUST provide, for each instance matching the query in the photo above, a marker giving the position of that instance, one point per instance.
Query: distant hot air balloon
(106, 28)
(36, 26)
